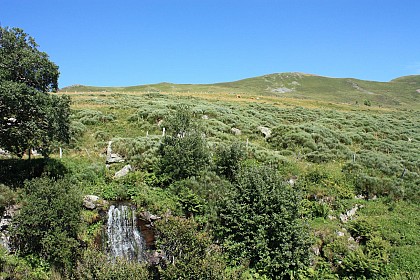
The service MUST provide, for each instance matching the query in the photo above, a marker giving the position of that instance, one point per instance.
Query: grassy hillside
(342, 155)
(400, 93)
(347, 172)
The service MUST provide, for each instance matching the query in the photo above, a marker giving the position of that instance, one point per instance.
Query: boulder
(236, 131)
(90, 201)
(265, 131)
(123, 172)
(148, 217)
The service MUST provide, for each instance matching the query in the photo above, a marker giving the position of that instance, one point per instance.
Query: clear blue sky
(117, 43)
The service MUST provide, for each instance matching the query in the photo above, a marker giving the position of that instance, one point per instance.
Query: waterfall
(124, 238)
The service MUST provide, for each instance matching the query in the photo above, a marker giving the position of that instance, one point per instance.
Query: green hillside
(402, 92)
(283, 176)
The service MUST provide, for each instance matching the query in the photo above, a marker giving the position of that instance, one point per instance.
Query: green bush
(228, 159)
(259, 222)
(94, 265)
(183, 151)
(48, 223)
(190, 253)
(92, 117)
(30, 267)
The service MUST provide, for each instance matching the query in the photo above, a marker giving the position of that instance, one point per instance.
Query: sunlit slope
(402, 92)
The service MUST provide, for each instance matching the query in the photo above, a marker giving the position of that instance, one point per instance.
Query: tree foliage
(260, 222)
(30, 117)
(22, 62)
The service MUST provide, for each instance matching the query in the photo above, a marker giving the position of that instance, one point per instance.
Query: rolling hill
(403, 92)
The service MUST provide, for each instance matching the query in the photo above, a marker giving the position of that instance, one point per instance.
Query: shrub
(91, 117)
(190, 252)
(228, 159)
(259, 222)
(183, 152)
(94, 265)
(48, 222)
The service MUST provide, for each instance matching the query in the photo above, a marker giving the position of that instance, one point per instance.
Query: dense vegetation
(261, 186)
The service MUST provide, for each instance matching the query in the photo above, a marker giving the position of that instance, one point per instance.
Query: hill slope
(401, 92)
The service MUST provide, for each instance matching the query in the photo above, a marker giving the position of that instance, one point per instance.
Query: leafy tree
(184, 151)
(30, 117)
(48, 222)
(22, 62)
(259, 221)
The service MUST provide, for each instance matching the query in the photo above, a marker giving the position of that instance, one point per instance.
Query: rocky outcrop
(5, 222)
(123, 172)
(265, 131)
(146, 220)
(92, 202)
(111, 157)
(350, 213)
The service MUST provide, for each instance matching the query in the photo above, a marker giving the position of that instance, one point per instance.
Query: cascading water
(124, 238)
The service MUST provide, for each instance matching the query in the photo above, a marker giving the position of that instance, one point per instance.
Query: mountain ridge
(400, 92)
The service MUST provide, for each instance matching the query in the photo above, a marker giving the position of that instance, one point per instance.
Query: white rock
(123, 172)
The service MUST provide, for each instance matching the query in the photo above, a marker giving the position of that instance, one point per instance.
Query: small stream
(124, 239)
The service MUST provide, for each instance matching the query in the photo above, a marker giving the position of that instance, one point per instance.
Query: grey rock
(236, 131)
(123, 172)
(148, 217)
(89, 201)
(350, 213)
(340, 233)
(265, 131)
(205, 117)
(112, 157)
(281, 90)
(316, 250)
(292, 180)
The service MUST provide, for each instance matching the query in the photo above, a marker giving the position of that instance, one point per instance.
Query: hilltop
(402, 92)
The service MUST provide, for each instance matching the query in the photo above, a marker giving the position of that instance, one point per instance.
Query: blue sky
(119, 43)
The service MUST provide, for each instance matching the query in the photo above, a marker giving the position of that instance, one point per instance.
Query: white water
(124, 238)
